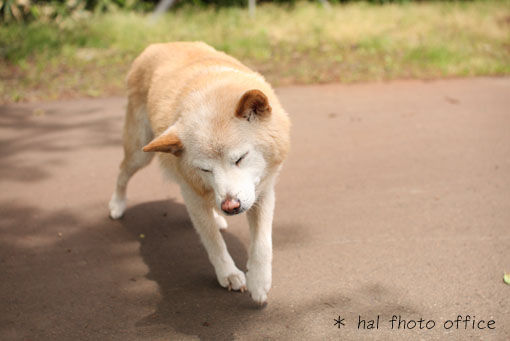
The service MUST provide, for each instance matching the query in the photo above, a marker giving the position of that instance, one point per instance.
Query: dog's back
(163, 71)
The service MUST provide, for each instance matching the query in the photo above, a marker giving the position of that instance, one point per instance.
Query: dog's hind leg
(137, 133)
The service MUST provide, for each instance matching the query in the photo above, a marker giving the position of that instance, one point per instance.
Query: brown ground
(395, 200)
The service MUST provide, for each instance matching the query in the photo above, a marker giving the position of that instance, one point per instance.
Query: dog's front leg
(202, 217)
(260, 219)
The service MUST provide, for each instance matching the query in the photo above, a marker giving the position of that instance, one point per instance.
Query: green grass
(301, 44)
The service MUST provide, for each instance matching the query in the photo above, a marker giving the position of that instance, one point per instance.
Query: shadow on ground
(191, 297)
(76, 279)
(36, 141)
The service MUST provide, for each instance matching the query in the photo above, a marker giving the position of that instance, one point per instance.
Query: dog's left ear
(168, 142)
(253, 104)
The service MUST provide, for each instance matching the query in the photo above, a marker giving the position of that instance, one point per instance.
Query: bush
(57, 10)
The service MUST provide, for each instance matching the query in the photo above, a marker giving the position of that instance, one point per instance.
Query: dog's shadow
(192, 302)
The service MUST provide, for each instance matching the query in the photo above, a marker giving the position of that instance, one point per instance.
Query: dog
(222, 135)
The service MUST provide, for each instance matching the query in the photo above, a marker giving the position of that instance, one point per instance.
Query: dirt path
(395, 201)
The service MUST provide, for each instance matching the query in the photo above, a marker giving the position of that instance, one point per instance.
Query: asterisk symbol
(339, 322)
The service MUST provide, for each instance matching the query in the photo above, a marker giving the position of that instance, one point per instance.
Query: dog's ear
(253, 104)
(168, 142)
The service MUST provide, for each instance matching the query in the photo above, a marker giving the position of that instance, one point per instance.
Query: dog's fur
(222, 135)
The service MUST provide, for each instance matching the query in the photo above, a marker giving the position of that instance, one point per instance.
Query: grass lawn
(304, 43)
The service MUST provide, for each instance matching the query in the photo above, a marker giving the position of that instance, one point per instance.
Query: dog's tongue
(229, 205)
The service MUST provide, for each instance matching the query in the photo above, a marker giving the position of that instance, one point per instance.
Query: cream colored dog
(221, 134)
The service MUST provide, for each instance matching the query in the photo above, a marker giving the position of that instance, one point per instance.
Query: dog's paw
(117, 207)
(220, 221)
(236, 280)
(258, 283)
(259, 296)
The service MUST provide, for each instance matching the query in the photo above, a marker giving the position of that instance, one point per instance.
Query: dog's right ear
(168, 142)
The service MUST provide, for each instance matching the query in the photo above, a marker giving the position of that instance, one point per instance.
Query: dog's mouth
(235, 211)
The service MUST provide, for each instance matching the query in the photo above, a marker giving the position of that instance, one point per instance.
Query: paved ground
(395, 201)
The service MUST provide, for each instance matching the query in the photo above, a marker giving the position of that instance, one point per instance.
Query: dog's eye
(241, 159)
(206, 170)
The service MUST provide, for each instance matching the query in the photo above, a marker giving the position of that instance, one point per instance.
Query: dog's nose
(231, 206)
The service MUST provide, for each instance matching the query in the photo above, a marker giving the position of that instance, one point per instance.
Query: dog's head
(227, 145)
